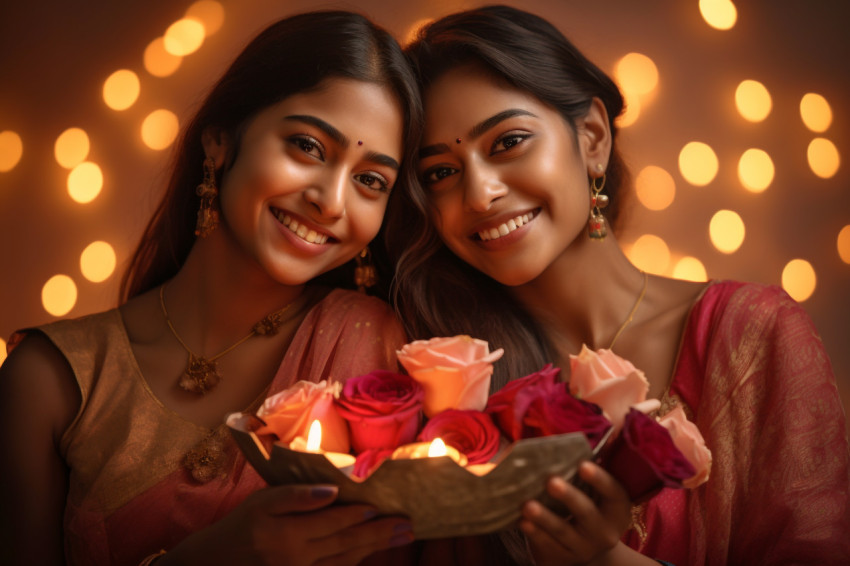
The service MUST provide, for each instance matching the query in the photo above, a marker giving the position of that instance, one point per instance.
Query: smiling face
(311, 178)
(506, 174)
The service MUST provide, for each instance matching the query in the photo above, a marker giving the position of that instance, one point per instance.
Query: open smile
(507, 227)
(300, 229)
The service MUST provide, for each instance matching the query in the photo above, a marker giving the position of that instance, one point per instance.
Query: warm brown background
(54, 57)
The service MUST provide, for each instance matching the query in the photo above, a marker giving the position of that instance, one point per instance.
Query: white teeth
(506, 228)
(300, 230)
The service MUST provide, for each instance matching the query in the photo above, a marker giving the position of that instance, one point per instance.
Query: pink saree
(130, 492)
(753, 374)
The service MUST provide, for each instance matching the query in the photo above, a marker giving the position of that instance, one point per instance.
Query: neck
(218, 296)
(585, 296)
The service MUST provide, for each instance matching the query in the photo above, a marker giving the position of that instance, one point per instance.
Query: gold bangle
(151, 559)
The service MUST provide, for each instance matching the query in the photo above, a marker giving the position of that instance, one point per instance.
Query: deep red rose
(368, 460)
(509, 405)
(558, 412)
(644, 458)
(383, 409)
(473, 433)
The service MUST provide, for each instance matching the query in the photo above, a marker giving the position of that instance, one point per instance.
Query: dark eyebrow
(490, 122)
(382, 159)
(476, 130)
(335, 134)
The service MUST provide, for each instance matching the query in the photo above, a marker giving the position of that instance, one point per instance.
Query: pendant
(209, 459)
(200, 376)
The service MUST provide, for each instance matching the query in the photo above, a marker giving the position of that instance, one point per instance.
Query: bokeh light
(755, 170)
(121, 89)
(636, 73)
(183, 37)
(650, 253)
(655, 188)
(158, 61)
(11, 150)
(2, 351)
(844, 244)
(71, 147)
(823, 157)
(97, 262)
(799, 279)
(753, 100)
(719, 14)
(59, 295)
(209, 13)
(815, 112)
(698, 163)
(159, 129)
(726, 231)
(85, 182)
(690, 269)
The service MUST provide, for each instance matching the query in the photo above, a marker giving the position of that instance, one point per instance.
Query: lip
(305, 231)
(504, 229)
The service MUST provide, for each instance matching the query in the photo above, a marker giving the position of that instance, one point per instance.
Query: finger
(325, 523)
(285, 499)
(614, 502)
(544, 548)
(547, 528)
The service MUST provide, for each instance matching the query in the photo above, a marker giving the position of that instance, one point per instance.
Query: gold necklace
(201, 373)
(633, 311)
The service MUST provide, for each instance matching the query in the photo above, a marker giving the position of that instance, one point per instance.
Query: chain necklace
(201, 373)
(633, 311)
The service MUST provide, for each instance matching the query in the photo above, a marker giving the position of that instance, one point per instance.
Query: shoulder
(38, 384)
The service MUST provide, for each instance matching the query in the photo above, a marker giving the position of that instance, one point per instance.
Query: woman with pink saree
(520, 190)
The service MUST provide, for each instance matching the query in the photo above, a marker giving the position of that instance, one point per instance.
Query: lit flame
(314, 437)
(437, 448)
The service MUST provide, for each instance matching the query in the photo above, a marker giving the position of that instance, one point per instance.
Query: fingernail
(403, 528)
(322, 491)
(370, 514)
(401, 540)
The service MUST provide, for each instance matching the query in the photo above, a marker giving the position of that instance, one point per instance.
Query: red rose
(368, 460)
(382, 408)
(509, 405)
(473, 433)
(644, 458)
(558, 412)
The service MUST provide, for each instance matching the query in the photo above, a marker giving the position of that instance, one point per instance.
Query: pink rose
(455, 372)
(383, 409)
(558, 412)
(509, 404)
(611, 382)
(688, 439)
(643, 458)
(473, 433)
(290, 413)
(369, 460)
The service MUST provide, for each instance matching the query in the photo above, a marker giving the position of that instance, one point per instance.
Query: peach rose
(455, 372)
(290, 413)
(611, 382)
(688, 439)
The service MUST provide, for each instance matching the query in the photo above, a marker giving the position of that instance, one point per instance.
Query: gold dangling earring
(207, 215)
(365, 275)
(597, 226)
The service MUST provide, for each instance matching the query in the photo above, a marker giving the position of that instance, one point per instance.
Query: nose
(484, 186)
(327, 195)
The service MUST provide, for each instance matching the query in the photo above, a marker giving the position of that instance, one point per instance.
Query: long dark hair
(291, 56)
(435, 292)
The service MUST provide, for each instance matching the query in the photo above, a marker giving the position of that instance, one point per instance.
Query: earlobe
(216, 146)
(595, 136)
